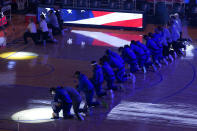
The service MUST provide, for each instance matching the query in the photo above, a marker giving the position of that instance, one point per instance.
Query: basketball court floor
(164, 100)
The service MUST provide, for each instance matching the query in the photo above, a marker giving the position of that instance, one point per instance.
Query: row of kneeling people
(160, 47)
(111, 68)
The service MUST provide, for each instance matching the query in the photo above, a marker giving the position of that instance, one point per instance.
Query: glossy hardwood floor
(164, 100)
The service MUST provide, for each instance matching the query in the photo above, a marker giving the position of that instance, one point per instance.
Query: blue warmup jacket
(97, 75)
(62, 95)
(157, 38)
(129, 56)
(138, 51)
(84, 84)
(108, 71)
(114, 62)
(74, 94)
(116, 55)
(144, 47)
(152, 46)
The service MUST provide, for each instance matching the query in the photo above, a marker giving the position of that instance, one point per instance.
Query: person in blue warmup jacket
(97, 79)
(141, 55)
(76, 101)
(120, 73)
(85, 85)
(148, 61)
(129, 57)
(114, 54)
(166, 38)
(154, 49)
(157, 37)
(62, 101)
(146, 50)
(108, 73)
(119, 67)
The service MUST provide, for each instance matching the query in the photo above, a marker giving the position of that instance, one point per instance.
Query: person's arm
(77, 88)
(80, 86)
(152, 45)
(95, 75)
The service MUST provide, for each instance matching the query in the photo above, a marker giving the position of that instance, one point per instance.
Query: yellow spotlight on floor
(18, 55)
(35, 115)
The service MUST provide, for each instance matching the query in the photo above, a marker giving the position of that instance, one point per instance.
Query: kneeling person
(62, 101)
(31, 32)
(87, 88)
(97, 79)
(76, 101)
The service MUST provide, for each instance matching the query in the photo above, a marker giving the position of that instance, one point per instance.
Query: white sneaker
(159, 65)
(133, 78)
(175, 55)
(130, 76)
(181, 52)
(165, 61)
(80, 117)
(171, 58)
(144, 69)
(154, 67)
(54, 40)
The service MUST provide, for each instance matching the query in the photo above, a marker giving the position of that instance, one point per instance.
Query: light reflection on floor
(8, 78)
(189, 52)
(18, 55)
(39, 111)
(179, 114)
(34, 115)
(83, 37)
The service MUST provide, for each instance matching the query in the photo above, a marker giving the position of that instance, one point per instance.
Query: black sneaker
(55, 117)
(68, 117)
(115, 88)
(102, 94)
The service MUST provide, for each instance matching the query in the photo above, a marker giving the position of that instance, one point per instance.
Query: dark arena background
(158, 93)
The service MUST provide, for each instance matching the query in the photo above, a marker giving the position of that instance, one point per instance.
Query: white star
(83, 11)
(69, 11)
(83, 44)
(69, 41)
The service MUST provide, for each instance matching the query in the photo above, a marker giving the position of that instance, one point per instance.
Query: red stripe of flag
(100, 13)
(100, 43)
(128, 37)
(127, 23)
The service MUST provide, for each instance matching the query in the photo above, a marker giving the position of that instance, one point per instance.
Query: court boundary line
(179, 90)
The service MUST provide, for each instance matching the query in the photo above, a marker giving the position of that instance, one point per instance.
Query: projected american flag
(103, 18)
